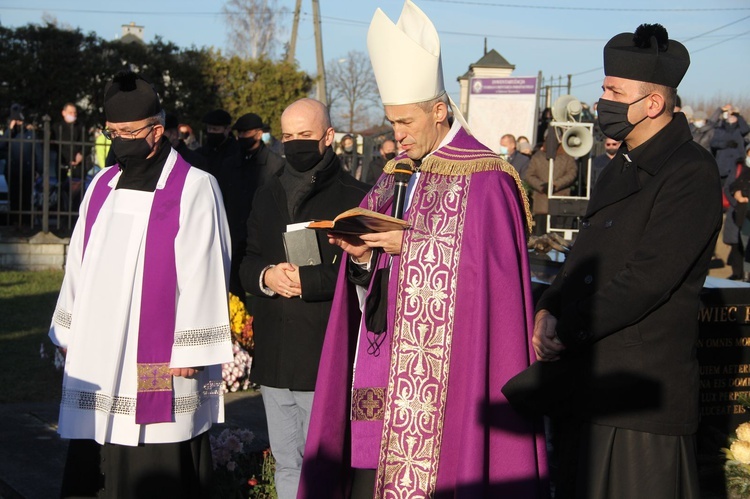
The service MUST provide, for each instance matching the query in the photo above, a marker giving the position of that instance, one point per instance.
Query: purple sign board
(503, 86)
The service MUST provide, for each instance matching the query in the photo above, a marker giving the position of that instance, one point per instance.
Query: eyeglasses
(112, 134)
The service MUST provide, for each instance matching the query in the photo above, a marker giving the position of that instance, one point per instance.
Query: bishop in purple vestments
(416, 410)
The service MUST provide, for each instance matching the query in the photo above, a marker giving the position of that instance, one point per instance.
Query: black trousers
(172, 470)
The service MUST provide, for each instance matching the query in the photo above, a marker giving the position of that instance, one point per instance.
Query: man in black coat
(620, 320)
(291, 313)
(240, 177)
(220, 144)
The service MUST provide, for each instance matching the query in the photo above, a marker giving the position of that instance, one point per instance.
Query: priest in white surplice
(142, 314)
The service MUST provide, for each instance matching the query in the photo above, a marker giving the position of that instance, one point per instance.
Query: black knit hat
(647, 55)
(129, 97)
(217, 117)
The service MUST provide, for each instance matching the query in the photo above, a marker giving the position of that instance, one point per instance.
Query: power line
(717, 43)
(120, 12)
(716, 29)
(597, 9)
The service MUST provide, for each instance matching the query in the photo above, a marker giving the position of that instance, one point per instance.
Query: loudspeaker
(577, 141)
(566, 108)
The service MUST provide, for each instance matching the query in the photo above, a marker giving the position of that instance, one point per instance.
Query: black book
(301, 247)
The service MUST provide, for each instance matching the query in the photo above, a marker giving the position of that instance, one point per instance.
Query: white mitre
(405, 58)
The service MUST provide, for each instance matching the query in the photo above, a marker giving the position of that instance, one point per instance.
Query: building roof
(491, 59)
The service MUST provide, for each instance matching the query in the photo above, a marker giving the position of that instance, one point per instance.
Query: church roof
(492, 59)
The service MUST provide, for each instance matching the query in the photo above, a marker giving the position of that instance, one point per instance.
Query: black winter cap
(647, 55)
(129, 97)
(16, 112)
(217, 117)
(249, 121)
(171, 121)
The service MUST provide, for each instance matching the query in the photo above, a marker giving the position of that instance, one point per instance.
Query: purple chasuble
(158, 293)
(428, 411)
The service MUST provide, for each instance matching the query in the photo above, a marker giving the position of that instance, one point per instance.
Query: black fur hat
(646, 55)
(129, 97)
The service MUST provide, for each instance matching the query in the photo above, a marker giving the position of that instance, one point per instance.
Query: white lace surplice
(97, 316)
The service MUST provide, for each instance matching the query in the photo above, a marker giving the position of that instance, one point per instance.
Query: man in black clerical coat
(621, 318)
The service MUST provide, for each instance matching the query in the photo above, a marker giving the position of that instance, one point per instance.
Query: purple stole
(404, 402)
(159, 291)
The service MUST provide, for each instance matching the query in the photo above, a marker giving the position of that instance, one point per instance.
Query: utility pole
(321, 90)
(295, 25)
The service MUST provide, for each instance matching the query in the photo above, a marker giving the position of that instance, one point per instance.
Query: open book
(360, 221)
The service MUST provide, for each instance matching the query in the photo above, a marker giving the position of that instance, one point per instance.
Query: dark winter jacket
(289, 332)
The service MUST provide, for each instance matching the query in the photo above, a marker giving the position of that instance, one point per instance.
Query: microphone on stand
(402, 174)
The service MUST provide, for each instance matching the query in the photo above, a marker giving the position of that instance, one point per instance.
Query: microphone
(402, 174)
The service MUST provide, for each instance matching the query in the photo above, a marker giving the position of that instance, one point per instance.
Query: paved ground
(32, 455)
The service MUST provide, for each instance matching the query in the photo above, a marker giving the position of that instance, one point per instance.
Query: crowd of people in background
(724, 133)
(387, 359)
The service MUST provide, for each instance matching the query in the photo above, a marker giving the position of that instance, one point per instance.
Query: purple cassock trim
(158, 296)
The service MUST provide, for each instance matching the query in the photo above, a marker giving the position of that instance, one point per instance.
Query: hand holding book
(358, 221)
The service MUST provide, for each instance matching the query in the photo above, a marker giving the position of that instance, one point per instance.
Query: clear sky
(554, 37)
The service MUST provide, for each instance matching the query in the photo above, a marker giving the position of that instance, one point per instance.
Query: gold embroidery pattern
(447, 162)
(418, 377)
(378, 195)
(154, 378)
(368, 404)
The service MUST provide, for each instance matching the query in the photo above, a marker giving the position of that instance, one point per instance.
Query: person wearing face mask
(427, 323)
(702, 129)
(188, 137)
(598, 163)
(387, 151)
(292, 302)
(272, 142)
(176, 140)
(617, 329)
(736, 222)
(24, 162)
(219, 143)
(517, 160)
(350, 159)
(69, 134)
(728, 144)
(728, 140)
(239, 178)
(142, 314)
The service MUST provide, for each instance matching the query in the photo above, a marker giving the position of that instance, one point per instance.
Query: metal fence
(43, 185)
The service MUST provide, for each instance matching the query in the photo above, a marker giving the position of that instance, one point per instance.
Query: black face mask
(214, 140)
(389, 156)
(302, 154)
(246, 143)
(613, 118)
(129, 150)
(184, 135)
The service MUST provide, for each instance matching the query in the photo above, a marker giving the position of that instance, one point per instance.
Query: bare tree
(254, 27)
(353, 91)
